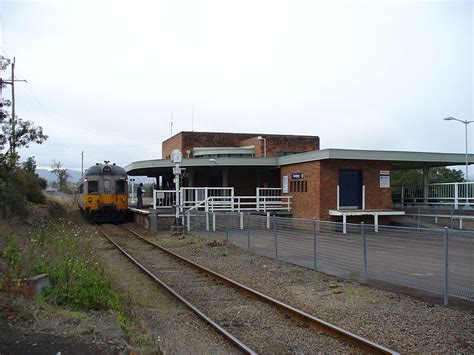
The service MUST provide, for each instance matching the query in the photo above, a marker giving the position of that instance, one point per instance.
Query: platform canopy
(399, 159)
(158, 167)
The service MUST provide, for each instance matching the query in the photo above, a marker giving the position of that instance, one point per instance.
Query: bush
(11, 202)
(77, 277)
(17, 186)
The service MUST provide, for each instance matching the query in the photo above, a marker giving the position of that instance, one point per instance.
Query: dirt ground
(28, 326)
(153, 322)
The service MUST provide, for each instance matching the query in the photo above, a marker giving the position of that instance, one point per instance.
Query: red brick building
(324, 184)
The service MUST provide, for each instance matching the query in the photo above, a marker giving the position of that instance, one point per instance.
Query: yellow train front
(103, 193)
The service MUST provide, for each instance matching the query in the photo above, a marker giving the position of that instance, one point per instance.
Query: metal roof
(399, 159)
(151, 167)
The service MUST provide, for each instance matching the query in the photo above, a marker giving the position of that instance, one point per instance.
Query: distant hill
(76, 175)
(50, 177)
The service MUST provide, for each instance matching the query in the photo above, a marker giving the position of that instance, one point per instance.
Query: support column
(425, 185)
(225, 177)
(190, 177)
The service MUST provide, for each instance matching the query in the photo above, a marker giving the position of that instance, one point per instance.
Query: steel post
(314, 243)
(226, 227)
(248, 231)
(275, 237)
(364, 242)
(446, 267)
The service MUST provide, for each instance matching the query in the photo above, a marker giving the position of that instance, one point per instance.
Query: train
(102, 193)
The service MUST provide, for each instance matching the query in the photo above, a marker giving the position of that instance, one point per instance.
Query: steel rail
(236, 342)
(298, 315)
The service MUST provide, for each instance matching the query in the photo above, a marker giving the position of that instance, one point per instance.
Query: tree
(25, 134)
(414, 177)
(62, 175)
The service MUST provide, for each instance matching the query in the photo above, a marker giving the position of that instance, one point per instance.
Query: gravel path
(400, 322)
(255, 323)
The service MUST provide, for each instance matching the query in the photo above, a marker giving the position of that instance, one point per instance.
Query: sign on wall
(385, 181)
(284, 184)
(297, 176)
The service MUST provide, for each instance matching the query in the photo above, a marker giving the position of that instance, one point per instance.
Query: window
(81, 188)
(120, 187)
(92, 187)
(298, 186)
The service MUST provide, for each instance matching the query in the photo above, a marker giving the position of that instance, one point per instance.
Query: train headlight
(123, 199)
(89, 199)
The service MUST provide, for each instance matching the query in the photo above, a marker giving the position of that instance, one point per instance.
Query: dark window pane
(120, 189)
(92, 187)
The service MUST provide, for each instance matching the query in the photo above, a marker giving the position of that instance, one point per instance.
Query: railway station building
(328, 184)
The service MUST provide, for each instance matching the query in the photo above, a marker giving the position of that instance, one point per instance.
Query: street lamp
(466, 122)
(132, 181)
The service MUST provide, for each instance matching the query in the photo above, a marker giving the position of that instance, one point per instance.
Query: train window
(81, 188)
(120, 187)
(92, 187)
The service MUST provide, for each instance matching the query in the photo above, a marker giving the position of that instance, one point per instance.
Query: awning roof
(399, 159)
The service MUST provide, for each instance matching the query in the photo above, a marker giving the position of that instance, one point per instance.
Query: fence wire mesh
(439, 261)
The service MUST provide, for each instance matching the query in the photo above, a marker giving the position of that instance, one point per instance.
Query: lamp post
(466, 122)
(133, 199)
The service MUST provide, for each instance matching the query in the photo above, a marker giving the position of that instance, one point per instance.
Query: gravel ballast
(257, 324)
(401, 322)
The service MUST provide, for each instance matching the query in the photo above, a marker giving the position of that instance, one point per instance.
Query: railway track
(251, 321)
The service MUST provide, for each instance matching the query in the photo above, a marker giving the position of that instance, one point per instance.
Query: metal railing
(190, 196)
(437, 261)
(221, 199)
(443, 194)
(164, 199)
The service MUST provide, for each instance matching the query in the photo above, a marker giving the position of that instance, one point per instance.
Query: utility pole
(13, 116)
(12, 138)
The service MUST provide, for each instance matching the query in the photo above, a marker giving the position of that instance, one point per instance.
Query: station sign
(297, 176)
(385, 181)
(284, 184)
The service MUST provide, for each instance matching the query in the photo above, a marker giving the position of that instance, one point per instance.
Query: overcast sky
(105, 76)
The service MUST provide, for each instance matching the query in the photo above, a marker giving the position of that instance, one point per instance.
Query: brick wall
(305, 204)
(175, 142)
(322, 179)
(275, 143)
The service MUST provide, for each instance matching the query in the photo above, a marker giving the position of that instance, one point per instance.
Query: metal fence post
(419, 213)
(364, 241)
(213, 221)
(188, 217)
(275, 237)
(452, 214)
(207, 226)
(248, 229)
(446, 266)
(314, 243)
(226, 226)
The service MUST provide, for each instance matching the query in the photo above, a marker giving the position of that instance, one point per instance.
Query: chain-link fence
(439, 261)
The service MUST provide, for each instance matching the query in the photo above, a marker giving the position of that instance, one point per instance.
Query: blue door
(350, 189)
